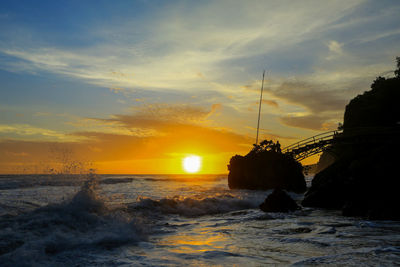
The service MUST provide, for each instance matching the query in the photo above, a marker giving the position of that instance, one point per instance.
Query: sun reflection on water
(200, 240)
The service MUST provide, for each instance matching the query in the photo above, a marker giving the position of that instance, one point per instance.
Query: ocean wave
(194, 207)
(211, 255)
(116, 180)
(356, 257)
(184, 178)
(8, 182)
(80, 223)
(29, 181)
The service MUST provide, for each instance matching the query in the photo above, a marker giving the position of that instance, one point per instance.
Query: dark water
(174, 220)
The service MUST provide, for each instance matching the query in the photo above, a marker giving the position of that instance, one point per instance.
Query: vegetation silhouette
(363, 179)
(377, 107)
(266, 167)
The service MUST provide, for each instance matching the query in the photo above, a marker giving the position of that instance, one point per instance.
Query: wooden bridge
(321, 142)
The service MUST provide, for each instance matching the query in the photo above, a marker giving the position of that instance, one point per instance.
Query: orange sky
(152, 140)
(156, 144)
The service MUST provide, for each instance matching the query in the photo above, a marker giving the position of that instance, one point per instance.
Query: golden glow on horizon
(191, 164)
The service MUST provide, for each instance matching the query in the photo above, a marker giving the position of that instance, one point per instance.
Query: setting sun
(191, 164)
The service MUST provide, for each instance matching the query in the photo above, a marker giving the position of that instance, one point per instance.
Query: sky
(135, 86)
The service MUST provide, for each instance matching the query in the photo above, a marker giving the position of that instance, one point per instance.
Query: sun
(191, 164)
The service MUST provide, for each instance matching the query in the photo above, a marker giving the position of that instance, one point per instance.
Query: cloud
(176, 113)
(116, 89)
(173, 54)
(17, 154)
(315, 98)
(268, 134)
(335, 47)
(175, 51)
(154, 129)
(110, 126)
(147, 120)
(174, 129)
(319, 107)
(312, 122)
(31, 132)
(271, 103)
(317, 56)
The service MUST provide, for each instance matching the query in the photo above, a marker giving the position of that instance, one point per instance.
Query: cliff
(363, 179)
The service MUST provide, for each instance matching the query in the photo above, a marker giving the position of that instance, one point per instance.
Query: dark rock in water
(279, 201)
(266, 169)
(362, 185)
(364, 179)
(327, 188)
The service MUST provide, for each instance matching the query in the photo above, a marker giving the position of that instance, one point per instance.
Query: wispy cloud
(335, 48)
(150, 133)
(26, 131)
(311, 122)
(179, 47)
(110, 126)
(116, 89)
(314, 98)
(151, 119)
(271, 103)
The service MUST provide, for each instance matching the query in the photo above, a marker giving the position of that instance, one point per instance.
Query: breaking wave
(70, 227)
(194, 207)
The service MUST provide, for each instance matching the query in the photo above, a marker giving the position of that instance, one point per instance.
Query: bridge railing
(350, 133)
(311, 140)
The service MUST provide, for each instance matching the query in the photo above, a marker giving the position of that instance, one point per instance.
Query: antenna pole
(259, 107)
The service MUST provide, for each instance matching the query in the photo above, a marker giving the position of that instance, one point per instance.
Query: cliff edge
(363, 179)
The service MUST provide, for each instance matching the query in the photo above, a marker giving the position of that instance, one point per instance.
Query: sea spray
(59, 159)
(88, 197)
(68, 228)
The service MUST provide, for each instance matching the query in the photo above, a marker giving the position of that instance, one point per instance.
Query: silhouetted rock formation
(361, 184)
(377, 107)
(279, 201)
(326, 159)
(265, 167)
(363, 180)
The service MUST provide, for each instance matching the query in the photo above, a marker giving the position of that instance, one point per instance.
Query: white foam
(82, 222)
(192, 207)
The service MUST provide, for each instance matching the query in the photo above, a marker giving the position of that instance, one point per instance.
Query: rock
(263, 170)
(327, 188)
(363, 179)
(377, 107)
(279, 201)
(363, 185)
(326, 159)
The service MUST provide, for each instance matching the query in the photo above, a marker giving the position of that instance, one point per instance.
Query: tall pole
(259, 107)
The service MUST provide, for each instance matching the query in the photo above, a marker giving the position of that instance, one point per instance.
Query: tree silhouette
(397, 72)
(377, 107)
(266, 145)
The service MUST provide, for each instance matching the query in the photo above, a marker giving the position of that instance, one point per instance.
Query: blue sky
(65, 65)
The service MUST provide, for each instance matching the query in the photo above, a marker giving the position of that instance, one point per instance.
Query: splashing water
(69, 228)
(169, 220)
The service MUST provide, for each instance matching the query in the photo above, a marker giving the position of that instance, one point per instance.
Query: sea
(175, 220)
